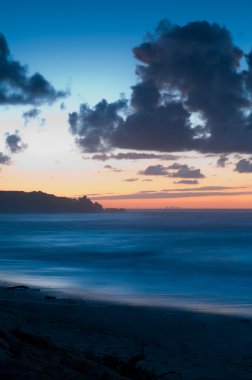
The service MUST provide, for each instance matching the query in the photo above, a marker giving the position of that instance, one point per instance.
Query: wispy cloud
(134, 156)
(187, 182)
(130, 180)
(206, 188)
(163, 195)
(33, 113)
(113, 169)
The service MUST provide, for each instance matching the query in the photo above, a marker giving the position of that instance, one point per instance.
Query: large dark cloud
(14, 143)
(17, 86)
(194, 92)
(163, 128)
(244, 166)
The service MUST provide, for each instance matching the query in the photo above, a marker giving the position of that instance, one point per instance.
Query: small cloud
(243, 166)
(116, 170)
(33, 113)
(187, 182)
(14, 143)
(222, 161)
(42, 122)
(158, 170)
(184, 171)
(130, 180)
(175, 170)
(4, 159)
(100, 157)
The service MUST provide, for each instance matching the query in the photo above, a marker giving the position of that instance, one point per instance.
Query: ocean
(197, 260)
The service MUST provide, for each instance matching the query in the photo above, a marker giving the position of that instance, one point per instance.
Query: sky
(135, 104)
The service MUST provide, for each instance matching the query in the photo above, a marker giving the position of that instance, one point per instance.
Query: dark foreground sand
(102, 341)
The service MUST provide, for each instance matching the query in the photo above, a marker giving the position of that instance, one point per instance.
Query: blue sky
(89, 44)
(87, 47)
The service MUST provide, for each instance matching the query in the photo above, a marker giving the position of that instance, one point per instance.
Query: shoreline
(92, 297)
(184, 344)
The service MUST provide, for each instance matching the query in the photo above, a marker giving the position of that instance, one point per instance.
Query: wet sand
(42, 337)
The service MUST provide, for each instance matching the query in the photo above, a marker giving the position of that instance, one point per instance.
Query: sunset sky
(136, 104)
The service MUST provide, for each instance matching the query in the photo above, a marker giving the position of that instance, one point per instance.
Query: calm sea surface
(197, 260)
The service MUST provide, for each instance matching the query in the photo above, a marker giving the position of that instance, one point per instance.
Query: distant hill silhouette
(39, 202)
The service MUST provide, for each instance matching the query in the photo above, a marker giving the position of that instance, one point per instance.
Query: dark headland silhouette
(39, 202)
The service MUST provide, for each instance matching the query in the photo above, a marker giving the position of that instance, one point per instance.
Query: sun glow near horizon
(90, 122)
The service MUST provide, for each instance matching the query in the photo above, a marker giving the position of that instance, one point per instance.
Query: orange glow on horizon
(221, 202)
(73, 176)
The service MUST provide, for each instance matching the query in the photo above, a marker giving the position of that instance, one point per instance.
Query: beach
(43, 336)
(126, 193)
(140, 296)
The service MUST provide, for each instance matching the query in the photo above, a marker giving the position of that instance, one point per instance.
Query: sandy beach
(42, 337)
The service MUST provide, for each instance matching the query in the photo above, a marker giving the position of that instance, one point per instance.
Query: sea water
(201, 260)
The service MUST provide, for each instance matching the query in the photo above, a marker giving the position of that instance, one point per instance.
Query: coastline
(182, 344)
